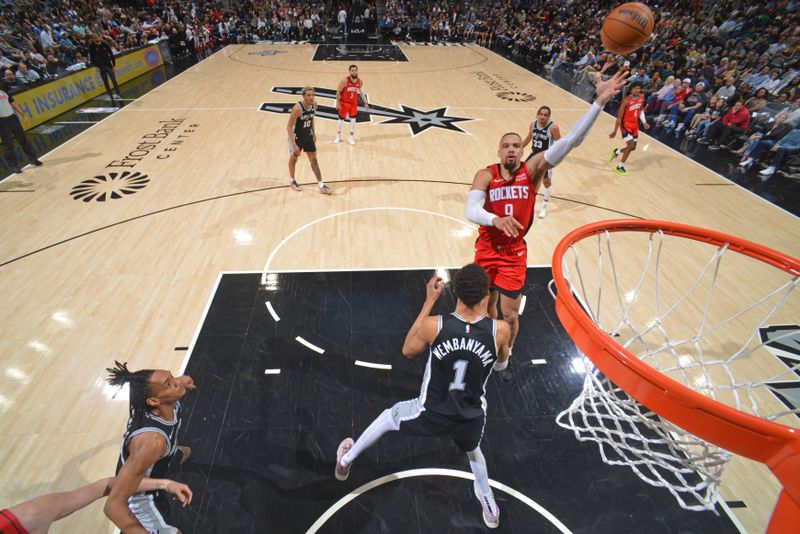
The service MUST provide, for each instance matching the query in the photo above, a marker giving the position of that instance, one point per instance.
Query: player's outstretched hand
(434, 288)
(607, 89)
(508, 225)
(180, 491)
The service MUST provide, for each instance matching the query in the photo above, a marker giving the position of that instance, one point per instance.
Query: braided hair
(139, 384)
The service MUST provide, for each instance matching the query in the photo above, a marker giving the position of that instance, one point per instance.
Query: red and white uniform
(630, 119)
(348, 100)
(505, 258)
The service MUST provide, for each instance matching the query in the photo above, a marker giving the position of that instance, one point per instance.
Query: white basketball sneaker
(351, 140)
(341, 471)
(338, 139)
(543, 211)
(491, 512)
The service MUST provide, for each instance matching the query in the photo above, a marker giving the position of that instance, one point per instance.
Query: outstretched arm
(425, 328)
(559, 150)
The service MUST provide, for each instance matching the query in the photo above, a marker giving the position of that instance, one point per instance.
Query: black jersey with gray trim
(304, 125)
(541, 138)
(459, 363)
(150, 423)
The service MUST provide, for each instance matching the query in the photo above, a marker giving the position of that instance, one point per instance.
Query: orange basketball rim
(774, 444)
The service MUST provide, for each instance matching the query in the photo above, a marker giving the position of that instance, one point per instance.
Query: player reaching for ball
(502, 200)
(463, 349)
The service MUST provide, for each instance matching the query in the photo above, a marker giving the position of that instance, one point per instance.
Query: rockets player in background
(502, 199)
(347, 102)
(631, 111)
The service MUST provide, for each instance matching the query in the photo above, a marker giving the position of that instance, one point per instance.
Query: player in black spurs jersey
(149, 447)
(463, 348)
(541, 134)
(303, 137)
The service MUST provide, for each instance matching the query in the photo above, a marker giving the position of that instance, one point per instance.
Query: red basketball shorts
(506, 267)
(348, 109)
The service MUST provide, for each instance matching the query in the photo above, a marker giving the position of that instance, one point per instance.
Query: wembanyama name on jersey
(443, 348)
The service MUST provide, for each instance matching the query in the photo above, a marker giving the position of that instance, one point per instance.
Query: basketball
(627, 28)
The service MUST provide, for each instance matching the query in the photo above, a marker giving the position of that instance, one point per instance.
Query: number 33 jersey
(459, 364)
(515, 197)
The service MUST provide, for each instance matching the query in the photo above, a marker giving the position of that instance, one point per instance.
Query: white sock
(321, 184)
(339, 127)
(477, 463)
(352, 126)
(547, 192)
(380, 426)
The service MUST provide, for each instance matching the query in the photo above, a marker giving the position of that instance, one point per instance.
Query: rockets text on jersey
(350, 91)
(514, 197)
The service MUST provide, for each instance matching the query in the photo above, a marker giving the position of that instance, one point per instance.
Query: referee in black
(302, 138)
(102, 58)
(10, 127)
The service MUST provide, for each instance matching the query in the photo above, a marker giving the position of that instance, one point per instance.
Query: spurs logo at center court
(416, 119)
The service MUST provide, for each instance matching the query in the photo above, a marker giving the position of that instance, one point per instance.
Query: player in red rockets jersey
(631, 111)
(347, 94)
(502, 199)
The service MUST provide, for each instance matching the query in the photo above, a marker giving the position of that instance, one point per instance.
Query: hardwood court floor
(86, 281)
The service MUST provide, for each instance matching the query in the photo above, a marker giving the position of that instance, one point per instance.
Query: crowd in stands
(722, 73)
(42, 39)
(703, 58)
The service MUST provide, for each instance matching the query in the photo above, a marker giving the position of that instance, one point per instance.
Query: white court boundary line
(271, 311)
(201, 322)
(371, 365)
(348, 212)
(309, 345)
(341, 503)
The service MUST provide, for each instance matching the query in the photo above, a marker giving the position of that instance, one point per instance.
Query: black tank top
(150, 423)
(459, 363)
(303, 126)
(541, 137)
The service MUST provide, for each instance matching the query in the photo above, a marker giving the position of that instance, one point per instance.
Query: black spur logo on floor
(416, 119)
(783, 341)
(119, 179)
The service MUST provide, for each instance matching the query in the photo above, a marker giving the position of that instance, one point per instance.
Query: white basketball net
(683, 335)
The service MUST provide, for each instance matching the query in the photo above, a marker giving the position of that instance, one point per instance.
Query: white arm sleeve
(642, 118)
(475, 211)
(559, 150)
